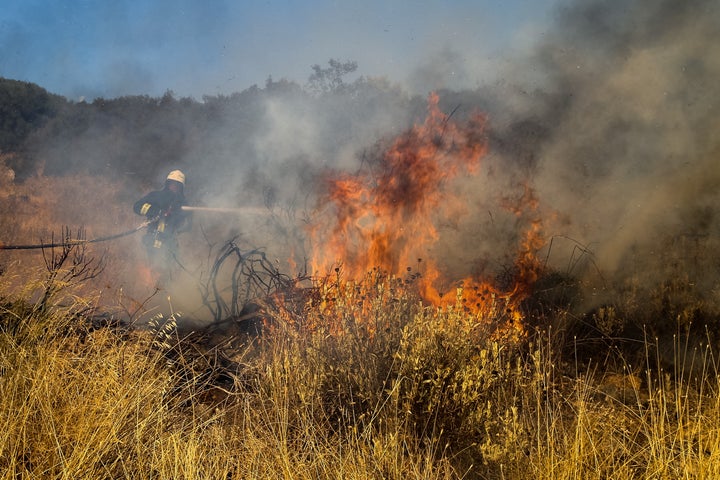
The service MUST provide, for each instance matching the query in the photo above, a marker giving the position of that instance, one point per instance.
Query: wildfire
(386, 218)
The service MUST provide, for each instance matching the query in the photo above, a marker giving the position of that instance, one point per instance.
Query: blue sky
(109, 48)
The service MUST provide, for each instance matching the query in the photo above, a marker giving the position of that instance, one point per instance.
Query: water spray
(237, 211)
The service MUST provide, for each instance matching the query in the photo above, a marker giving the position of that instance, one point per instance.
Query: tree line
(41, 132)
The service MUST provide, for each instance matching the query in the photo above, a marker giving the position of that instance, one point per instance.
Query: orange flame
(386, 218)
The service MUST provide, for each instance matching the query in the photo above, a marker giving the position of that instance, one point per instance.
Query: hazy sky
(104, 48)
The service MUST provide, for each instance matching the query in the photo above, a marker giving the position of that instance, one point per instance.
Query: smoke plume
(610, 121)
(617, 119)
(604, 134)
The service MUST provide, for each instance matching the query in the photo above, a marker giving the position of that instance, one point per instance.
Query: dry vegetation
(361, 380)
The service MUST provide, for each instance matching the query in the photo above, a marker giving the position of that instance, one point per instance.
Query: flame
(385, 218)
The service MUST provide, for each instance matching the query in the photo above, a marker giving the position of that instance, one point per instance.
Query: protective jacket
(165, 207)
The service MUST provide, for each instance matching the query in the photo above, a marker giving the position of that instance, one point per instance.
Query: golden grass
(364, 382)
(394, 390)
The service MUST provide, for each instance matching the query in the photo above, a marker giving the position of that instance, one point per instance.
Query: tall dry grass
(366, 383)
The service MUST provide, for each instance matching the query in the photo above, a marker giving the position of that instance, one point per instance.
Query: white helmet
(177, 176)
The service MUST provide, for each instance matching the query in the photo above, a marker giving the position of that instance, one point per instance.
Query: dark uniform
(163, 207)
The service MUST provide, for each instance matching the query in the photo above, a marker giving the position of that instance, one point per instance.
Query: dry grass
(362, 381)
(393, 390)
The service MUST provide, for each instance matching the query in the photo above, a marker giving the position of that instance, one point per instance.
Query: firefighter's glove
(150, 211)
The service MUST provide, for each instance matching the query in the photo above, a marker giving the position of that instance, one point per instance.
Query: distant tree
(139, 137)
(330, 80)
(168, 99)
(281, 86)
(24, 107)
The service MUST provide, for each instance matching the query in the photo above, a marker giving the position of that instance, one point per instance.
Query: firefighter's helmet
(177, 176)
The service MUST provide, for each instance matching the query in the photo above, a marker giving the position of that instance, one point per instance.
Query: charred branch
(68, 265)
(238, 278)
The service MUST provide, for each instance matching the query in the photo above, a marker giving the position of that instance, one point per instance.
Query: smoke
(615, 116)
(611, 119)
(268, 157)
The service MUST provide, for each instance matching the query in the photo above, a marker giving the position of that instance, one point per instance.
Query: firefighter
(163, 209)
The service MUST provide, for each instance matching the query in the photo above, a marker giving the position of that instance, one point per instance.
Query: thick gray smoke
(274, 170)
(612, 119)
(616, 116)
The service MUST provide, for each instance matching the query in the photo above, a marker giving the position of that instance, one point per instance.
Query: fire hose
(79, 241)
(246, 210)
